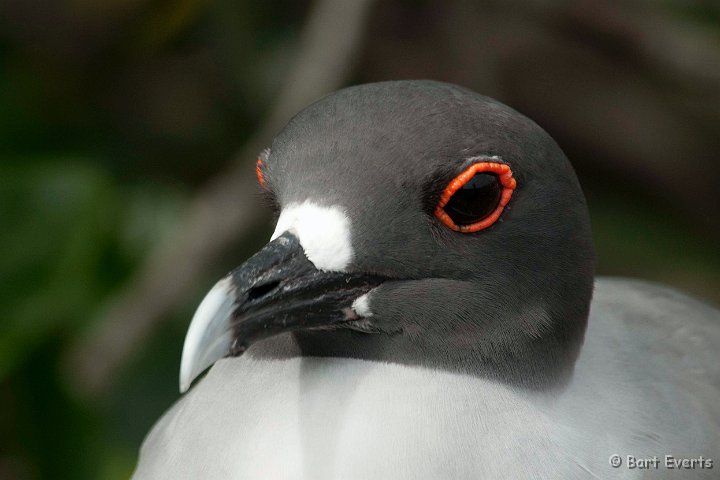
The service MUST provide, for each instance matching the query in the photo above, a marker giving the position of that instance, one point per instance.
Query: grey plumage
(467, 358)
(647, 383)
(384, 152)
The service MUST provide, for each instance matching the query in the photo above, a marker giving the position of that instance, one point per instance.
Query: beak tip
(209, 336)
(186, 377)
(183, 386)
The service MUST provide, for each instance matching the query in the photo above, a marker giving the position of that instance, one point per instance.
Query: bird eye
(475, 199)
(259, 166)
(258, 172)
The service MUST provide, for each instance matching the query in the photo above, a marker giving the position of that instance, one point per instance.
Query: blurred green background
(128, 130)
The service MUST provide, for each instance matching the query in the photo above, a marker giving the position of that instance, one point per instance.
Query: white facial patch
(324, 233)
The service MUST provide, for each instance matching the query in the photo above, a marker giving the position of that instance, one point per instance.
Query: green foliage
(634, 238)
(72, 235)
(111, 114)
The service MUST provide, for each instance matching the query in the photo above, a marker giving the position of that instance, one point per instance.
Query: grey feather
(647, 382)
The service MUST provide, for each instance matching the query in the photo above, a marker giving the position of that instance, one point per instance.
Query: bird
(427, 307)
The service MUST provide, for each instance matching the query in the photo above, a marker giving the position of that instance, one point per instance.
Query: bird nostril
(262, 290)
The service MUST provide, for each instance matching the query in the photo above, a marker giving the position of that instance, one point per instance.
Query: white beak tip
(209, 336)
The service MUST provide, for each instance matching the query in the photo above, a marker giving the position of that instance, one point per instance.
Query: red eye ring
(507, 181)
(258, 172)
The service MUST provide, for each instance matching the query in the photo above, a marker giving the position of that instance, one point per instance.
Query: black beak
(277, 290)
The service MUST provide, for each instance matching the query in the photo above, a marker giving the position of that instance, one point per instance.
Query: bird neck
(539, 364)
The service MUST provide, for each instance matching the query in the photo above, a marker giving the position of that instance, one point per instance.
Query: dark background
(129, 130)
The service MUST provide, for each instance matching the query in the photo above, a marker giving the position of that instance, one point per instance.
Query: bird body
(639, 389)
(425, 310)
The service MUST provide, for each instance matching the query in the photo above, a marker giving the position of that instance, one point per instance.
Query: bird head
(418, 223)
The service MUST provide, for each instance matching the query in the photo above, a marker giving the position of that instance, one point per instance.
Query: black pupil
(475, 200)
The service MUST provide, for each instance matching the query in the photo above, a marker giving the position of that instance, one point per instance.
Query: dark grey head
(361, 266)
